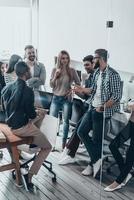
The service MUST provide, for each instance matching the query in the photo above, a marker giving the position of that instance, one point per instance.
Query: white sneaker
(26, 156)
(66, 160)
(96, 167)
(64, 153)
(88, 171)
(129, 176)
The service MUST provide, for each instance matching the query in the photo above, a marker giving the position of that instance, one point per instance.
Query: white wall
(79, 26)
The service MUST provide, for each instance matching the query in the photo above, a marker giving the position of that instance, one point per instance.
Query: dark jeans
(92, 120)
(62, 103)
(74, 141)
(124, 165)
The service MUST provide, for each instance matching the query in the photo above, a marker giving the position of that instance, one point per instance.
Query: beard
(31, 58)
(97, 65)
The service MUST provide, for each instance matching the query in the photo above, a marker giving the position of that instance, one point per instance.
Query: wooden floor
(71, 185)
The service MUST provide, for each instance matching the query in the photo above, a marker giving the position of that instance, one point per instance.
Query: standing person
(68, 155)
(10, 74)
(106, 92)
(37, 69)
(61, 80)
(23, 119)
(125, 165)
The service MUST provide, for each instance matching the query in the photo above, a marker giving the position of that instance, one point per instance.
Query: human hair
(103, 53)
(58, 64)
(88, 58)
(12, 62)
(1, 63)
(29, 46)
(21, 68)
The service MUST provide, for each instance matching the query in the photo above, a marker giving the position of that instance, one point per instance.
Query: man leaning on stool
(23, 119)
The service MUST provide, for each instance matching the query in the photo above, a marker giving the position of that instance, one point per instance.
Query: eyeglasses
(96, 57)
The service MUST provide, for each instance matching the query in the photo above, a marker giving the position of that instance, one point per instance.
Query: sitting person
(125, 166)
(23, 119)
(72, 145)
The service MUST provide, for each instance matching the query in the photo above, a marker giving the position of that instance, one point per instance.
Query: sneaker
(129, 176)
(64, 153)
(88, 171)
(66, 160)
(96, 167)
(26, 156)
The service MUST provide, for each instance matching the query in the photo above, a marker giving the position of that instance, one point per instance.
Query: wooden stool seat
(9, 140)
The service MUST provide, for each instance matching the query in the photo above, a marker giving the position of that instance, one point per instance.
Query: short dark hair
(21, 68)
(12, 62)
(103, 53)
(29, 47)
(88, 58)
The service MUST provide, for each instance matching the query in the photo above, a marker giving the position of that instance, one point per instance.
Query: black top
(18, 102)
(2, 82)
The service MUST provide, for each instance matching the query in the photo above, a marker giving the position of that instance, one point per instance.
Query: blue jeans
(92, 120)
(62, 103)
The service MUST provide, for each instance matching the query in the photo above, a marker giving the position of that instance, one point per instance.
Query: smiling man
(37, 69)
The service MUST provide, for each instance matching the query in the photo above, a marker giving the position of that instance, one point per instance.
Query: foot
(96, 167)
(114, 186)
(66, 160)
(88, 171)
(64, 153)
(29, 186)
(129, 176)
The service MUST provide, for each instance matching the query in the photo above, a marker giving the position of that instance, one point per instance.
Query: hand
(109, 103)
(57, 73)
(81, 90)
(131, 107)
(100, 109)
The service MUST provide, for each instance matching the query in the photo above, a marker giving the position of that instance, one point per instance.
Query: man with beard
(104, 101)
(68, 155)
(23, 119)
(37, 69)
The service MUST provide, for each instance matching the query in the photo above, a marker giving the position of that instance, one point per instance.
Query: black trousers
(124, 165)
(73, 143)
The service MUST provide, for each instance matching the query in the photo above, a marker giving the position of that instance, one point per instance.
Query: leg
(40, 140)
(83, 132)
(118, 142)
(129, 157)
(67, 111)
(56, 105)
(73, 143)
(97, 120)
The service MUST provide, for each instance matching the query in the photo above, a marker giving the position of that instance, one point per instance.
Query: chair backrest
(49, 127)
(77, 110)
(46, 98)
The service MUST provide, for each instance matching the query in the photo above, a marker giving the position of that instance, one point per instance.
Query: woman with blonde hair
(61, 80)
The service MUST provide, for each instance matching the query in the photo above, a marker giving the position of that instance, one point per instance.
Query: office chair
(49, 128)
(46, 98)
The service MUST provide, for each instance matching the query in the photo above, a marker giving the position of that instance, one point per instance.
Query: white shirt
(97, 97)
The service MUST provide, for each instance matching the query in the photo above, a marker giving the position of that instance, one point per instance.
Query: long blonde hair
(58, 63)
